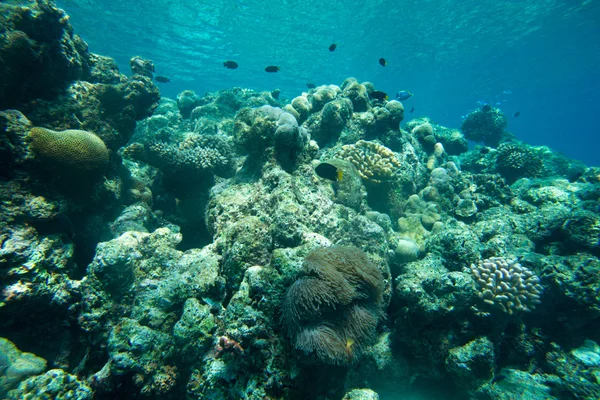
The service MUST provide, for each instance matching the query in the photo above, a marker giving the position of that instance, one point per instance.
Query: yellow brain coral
(80, 150)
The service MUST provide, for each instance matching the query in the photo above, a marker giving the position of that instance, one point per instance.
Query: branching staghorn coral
(507, 284)
(375, 163)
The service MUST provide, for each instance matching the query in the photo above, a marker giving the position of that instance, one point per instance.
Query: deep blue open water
(538, 57)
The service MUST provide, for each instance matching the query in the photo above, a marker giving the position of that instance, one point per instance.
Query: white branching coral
(375, 163)
(507, 284)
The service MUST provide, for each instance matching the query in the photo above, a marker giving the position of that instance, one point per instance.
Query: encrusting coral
(333, 308)
(507, 284)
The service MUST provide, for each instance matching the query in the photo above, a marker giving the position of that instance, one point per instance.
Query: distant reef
(242, 245)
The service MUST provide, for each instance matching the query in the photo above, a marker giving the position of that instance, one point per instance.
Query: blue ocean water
(537, 57)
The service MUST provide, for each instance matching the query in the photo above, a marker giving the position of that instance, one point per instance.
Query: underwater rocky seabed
(156, 262)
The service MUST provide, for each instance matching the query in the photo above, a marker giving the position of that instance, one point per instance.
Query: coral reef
(104, 70)
(321, 96)
(240, 245)
(300, 108)
(59, 84)
(453, 140)
(326, 126)
(396, 110)
(361, 394)
(472, 363)
(142, 66)
(186, 102)
(357, 93)
(14, 152)
(110, 111)
(349, 189)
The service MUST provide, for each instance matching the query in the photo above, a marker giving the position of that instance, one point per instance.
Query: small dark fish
(403, 95)
(163, 79)
(272, 68)
(486, 108)
(378, 95)
(332, 47)
(498, 378)
(517, 114)
(412, 110)
(311, 85)
(329, 171)
(230, 64)
(382, 62)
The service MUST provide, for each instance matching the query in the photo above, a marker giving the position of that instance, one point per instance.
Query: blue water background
(538, 57)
